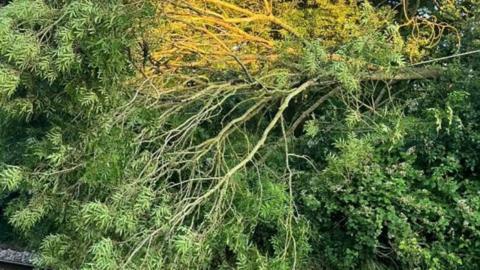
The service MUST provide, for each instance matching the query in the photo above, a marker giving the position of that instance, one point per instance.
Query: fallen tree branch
(189, 208)
(404, 74)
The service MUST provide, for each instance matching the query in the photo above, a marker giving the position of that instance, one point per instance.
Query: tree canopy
(241, 134)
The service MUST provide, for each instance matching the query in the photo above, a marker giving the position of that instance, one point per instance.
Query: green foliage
(97, 174)
(10, 178)
(400, 193)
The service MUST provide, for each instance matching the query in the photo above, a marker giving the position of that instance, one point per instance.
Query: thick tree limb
(404, 74)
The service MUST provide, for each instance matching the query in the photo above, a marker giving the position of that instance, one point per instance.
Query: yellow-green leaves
(10, 178)
(104, 256)
(96, 214)
(9, 81)
(314, 58)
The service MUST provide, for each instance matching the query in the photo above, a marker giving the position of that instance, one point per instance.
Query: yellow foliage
(228, 34)
(245, 34)
(330, 21)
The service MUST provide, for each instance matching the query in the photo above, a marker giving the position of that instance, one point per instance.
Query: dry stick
(289, 234)
(61, 171)
(379, 97)
(244, 68)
